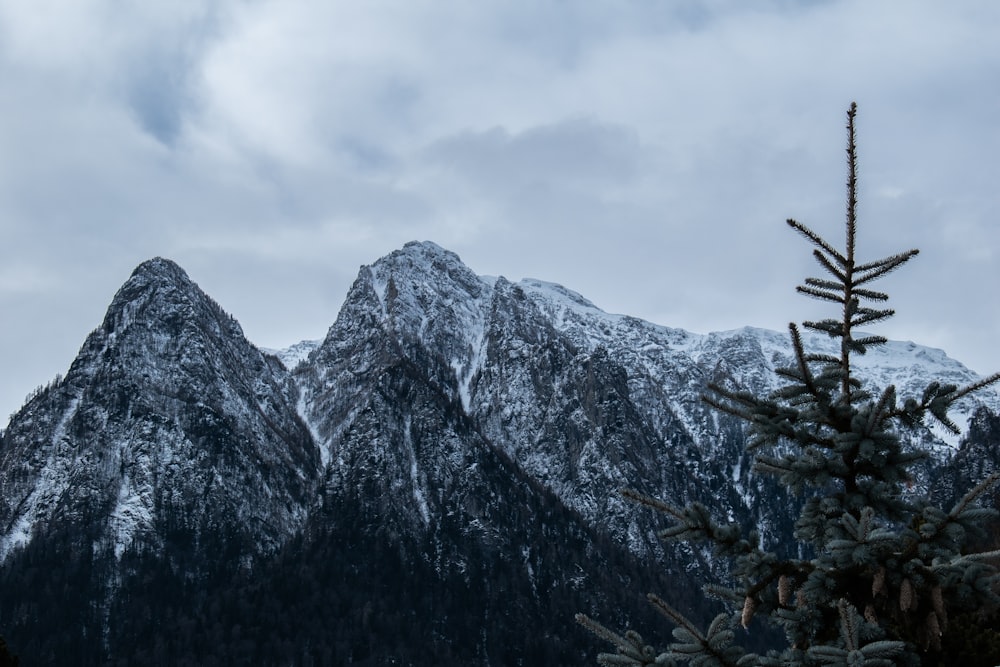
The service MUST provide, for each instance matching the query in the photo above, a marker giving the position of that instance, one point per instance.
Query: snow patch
(18, 536)
(60, 431)
(53, 481)
(131, 513)
(302, 409)
(465, 371)
(293, 355)
(418, 491)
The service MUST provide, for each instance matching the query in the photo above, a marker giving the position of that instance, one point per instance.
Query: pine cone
(870, 615)
(933, 630)
(784, 590)
(749, 607)
(907, 596)
(937, 599)
(878, 581)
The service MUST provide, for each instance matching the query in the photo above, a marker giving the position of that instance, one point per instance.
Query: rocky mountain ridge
(167, 382)
(448, 427)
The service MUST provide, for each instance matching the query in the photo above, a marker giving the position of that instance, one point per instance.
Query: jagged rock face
(168, 417)
(555, 403)
(449, 429)
(582, 401)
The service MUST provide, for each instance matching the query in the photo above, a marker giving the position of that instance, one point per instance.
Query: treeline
(356, 590)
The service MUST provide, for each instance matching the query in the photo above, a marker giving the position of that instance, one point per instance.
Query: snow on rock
(581, 401)
(445, 416)
(167, 410)
(291, 357)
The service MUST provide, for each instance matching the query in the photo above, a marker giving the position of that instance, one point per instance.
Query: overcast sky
(642, 153)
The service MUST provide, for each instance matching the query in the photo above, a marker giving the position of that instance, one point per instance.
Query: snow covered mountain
(167, 404)
(582, 400)
(447, 457)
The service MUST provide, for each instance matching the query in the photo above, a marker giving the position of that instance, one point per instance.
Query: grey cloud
(642, 153)
(161, 88)
(576, 153)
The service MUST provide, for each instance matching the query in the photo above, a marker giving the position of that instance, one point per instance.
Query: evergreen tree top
(888, 569)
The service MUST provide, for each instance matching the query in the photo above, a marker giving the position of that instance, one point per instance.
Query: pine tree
(887, 569)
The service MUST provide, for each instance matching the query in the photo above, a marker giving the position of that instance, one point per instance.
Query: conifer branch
(828, 265)
(781, 571)
(692, 642)
(883, 409)
(868, 316)
(728, 409)
(822, 358)
(653, 503)
(803, 360)
(832, 328)
(976, 386)
(871, 341)
(748, 402)
(938, 399)
(976, 491)
(631, 649)
(823, 284)
(871, 295)
(817, 240)
(599, 630)
(983, 555)
(675, 617)
(881, 267)
(820, 294)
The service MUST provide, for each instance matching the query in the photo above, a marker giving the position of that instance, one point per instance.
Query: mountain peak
(159, 265)
(422, 272)
(422, 252)
(159, 270)
(157, 287)
(184, 403)
(426, 247)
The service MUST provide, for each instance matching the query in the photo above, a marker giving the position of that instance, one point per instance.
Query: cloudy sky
(643, 153)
